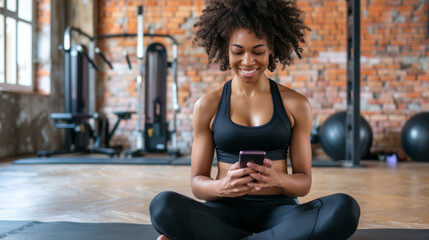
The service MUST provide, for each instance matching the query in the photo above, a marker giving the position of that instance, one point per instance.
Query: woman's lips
(248, 72)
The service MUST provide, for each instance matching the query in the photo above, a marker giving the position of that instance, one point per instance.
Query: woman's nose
(247, 59)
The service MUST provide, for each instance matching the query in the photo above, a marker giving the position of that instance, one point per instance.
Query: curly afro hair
(279, 21)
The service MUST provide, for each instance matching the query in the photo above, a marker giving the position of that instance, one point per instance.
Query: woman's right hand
(235, 183)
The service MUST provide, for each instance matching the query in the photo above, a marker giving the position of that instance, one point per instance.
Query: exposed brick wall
(118, 90)
(394, 62)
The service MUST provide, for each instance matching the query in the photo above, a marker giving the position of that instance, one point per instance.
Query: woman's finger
(267, 163)
(234, 166)
(243, 180)
(240, 190)
(255, 186)
(238, 173)
(256, 176)
(256, 167)
(260, 177)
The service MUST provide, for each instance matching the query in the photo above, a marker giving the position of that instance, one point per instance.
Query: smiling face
(248, 55)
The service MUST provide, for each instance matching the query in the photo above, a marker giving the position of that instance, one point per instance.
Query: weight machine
(156, 134)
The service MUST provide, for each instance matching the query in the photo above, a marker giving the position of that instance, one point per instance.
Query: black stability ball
(415, 137)
(332, 136)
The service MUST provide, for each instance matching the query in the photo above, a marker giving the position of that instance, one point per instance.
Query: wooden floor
(389, 197)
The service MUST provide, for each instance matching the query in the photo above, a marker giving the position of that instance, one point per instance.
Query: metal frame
(353, 84)
(140, 54)
(7, 13)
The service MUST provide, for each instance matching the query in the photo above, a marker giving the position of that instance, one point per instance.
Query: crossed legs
(178, 217)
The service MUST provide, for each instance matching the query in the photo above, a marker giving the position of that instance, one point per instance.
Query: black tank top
(230, 138)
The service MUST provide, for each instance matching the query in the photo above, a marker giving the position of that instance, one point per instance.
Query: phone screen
(251, 156)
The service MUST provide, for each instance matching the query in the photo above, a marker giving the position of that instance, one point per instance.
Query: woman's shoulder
(291, 95)
(293, 100)
(209, 102)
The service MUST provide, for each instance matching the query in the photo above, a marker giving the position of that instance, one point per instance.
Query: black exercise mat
(324, 163)
(90, 160)
(183, 161)
(314, 162)
(391, 234)
(10, 226)
(35, 230)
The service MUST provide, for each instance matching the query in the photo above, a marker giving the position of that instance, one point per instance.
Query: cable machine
(155, 135)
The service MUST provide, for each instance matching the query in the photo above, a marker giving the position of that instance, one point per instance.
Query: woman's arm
(203, 186)
(298, 183)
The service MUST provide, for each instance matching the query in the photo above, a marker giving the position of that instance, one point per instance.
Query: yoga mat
(35, 230)
(182, 161)
(390, 234)
(324, 163)
(90, 160)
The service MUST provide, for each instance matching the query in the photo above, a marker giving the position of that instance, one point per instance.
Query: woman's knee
(164, 198)
(349, 205)
(345, 209)
(163, 206)
(338, 217)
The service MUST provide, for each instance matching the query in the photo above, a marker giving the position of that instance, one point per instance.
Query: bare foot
(163, 237)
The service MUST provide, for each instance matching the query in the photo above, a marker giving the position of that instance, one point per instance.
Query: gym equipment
(415, 137)
(75, 119)
(80, 85)
(156, 127)
(332, 136)
(155, 135)
(314, 134)
(155, 96)
(353, 149)
(349, 149)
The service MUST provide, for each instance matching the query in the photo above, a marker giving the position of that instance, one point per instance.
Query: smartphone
(251, 156)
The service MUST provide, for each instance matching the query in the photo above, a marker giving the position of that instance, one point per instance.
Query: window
(16, 45)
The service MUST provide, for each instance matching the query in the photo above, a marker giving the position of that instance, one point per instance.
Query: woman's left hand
(265, 175)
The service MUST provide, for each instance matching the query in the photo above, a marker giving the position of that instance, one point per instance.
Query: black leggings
(254, 217)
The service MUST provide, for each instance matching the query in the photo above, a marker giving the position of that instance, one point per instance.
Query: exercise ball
(332, 136)
(415, 137)
(314, 134)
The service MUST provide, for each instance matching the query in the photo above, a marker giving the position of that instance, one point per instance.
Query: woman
(252, 112)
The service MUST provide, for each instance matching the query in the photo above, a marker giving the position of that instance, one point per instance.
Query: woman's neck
(241, 87)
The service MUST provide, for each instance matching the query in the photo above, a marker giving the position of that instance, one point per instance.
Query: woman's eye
(256, 53)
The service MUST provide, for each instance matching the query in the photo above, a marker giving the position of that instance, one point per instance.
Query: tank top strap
(278, 103)
(223, 107)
